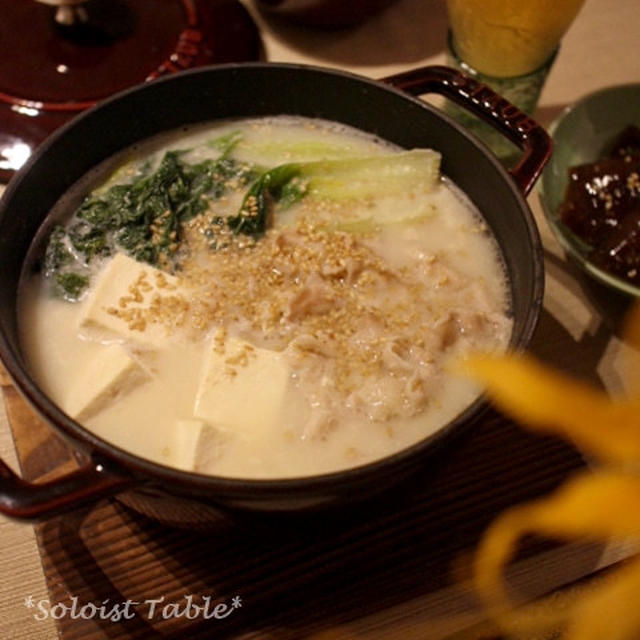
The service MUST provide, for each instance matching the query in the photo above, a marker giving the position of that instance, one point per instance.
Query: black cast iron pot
(384, 108)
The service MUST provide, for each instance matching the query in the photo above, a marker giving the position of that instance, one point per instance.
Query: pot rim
(82, 438)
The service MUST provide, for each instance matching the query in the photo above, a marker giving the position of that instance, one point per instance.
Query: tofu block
(118, 306)
(243, 388)
(198, 445)
(108, 376)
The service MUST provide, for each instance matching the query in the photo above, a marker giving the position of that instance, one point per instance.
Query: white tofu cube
(243, 388)
(198, 445)
(108, 376)
(118, 306)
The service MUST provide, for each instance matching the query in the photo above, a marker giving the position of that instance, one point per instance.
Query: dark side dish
(602, 206)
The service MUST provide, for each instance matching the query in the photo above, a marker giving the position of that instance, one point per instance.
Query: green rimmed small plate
(580, 135)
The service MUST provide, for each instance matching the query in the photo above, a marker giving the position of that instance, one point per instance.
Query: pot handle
(485, 103)
(23, 500)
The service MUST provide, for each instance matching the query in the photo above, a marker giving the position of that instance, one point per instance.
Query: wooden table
(395, 570)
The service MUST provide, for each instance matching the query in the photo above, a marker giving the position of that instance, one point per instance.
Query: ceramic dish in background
(580, 135)
(326, 14)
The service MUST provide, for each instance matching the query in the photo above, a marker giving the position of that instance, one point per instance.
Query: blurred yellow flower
(602, 504)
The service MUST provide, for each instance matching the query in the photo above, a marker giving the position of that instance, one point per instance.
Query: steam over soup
(265, 298)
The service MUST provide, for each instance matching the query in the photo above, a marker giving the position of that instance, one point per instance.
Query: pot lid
(56, 61)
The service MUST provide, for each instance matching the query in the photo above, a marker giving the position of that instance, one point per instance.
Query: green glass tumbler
(523, 91)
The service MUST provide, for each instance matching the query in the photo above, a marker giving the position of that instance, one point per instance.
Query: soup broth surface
(265, 298)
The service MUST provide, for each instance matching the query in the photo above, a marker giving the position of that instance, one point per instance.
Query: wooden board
(382, 571)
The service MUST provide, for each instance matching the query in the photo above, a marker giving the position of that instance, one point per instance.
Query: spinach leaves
(143, 217)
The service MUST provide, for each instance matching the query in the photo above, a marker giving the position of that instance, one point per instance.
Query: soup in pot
(264, 298)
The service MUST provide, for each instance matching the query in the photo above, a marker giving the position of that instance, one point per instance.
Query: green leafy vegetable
(57, 254)
(70, 285)
(276, 185)
(352, 178)
(89, 240)
(143, 217)
(379, 175)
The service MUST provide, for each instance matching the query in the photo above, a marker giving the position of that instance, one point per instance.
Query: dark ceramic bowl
(254, 90)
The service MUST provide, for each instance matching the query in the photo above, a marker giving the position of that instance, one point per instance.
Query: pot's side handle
(38, 501)
(485, 103)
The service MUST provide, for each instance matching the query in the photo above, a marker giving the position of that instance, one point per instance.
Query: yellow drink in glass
(506, 38)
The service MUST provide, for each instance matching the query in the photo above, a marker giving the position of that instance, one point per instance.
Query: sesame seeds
(302, 281)
(251, 207)
(157, 228)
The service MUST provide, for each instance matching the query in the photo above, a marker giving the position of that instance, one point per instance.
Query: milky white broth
(283, 370)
